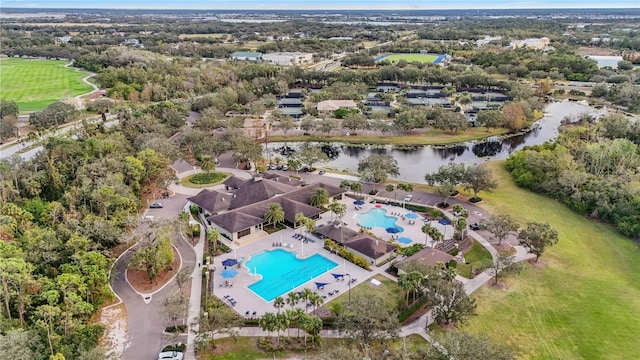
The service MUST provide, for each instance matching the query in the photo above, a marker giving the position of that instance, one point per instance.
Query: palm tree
(356, 186)
(311, 325)
(292, 299)
(282, 323)
(268, 322)
(306, 295)
(298, 314)
(436, 235)
(316, 300)
(319, 197)
(338, 209)
(427, 229)
(274, 214)
(301, 219)
(411, 283)
(278, 303)
(213, 235)
(208, 164)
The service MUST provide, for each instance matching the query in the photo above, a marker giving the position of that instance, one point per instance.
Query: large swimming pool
(282, 271)
(378, 218)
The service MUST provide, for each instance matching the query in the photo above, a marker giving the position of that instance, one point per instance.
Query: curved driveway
(145, 322)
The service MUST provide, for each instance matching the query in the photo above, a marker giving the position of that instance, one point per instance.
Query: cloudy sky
(322, 4)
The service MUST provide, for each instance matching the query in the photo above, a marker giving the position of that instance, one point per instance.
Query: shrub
(204, 178)
(175, 347)
(345, 254)
(176, 329)
(373, 192)
(475, 200)
(412, 309)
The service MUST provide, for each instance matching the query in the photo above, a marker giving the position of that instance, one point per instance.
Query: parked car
(285, 167)
(171, 355)
(408, 198)
(278, 167)
(474, 226)
(321, 172)
(272, 166)
(156, 205)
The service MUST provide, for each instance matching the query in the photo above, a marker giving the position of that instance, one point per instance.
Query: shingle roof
(235, 221)
(428, 256)
(234, 182)
(303, 195)
(212, 201)
(256, 190)
(340, 234)
(369, 246)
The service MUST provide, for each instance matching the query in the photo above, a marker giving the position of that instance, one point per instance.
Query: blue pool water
(378, 218)
(404, 240)
(282, 271)
(411, 216)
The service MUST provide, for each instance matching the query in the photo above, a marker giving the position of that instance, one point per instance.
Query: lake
(420, 160)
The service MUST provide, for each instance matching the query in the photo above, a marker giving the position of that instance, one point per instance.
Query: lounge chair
(330, 293)
(337, 291)
(247, 313)
(226, 296)
(254, 313)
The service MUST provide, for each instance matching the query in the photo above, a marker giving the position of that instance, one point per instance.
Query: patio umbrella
(321, 285)
(338, 276)
(229, 262)
(378, 206)
(393, 230)
(358, 202)
(444, 222)
(229, 273)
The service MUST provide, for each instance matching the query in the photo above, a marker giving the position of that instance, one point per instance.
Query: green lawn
(583, 304)
(430, 137)
(203, 180)
(34, 84)
(422, 58)
(389, 291)
(474, 256)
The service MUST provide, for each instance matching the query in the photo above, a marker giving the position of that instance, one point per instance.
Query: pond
(416, 161)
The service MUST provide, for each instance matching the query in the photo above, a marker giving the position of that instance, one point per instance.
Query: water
(282, 271)
(417, 161)
(378, 218)
(411, 216)
(404, 240)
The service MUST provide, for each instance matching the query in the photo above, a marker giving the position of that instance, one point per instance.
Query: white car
(171, 355)
(408, 198)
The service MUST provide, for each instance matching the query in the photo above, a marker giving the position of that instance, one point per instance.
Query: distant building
(428, 256)
(538, 44)
(135, 43)
(63, 39)
(288, 58)
(246, 56)
(487, 40)
(333, 105)
(341, 38)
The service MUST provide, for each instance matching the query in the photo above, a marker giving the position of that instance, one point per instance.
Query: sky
(322, 4)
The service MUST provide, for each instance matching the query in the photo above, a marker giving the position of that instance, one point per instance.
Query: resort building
(538, 44)
(246, 56)
(237, 212)
(371, 249)
(288, 58)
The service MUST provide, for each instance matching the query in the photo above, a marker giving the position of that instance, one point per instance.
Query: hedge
(345, 254)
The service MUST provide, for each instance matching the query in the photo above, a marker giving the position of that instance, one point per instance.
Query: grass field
(431, 137)
(422, 58)
(34, 84)
(583, 304)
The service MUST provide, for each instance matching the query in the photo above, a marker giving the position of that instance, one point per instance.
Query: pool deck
(248, 301)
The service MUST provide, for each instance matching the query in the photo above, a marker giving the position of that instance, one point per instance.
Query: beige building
(537, 44)
(333, 105)
(288, 58)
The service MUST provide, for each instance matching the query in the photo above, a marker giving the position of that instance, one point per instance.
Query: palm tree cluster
(297, 317)
(431, 232)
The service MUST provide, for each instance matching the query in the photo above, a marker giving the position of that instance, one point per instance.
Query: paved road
(145, 323)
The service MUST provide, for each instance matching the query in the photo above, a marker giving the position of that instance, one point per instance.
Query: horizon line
(315, 9)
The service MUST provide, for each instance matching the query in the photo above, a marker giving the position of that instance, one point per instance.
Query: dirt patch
(140, 281)
(539, 264)
(114, 319)
(500, 285)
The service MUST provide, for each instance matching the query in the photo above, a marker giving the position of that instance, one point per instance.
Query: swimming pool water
(378, 218)
(282, 271)
(404, 240)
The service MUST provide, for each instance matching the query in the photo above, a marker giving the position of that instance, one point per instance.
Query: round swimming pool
(378, 218)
